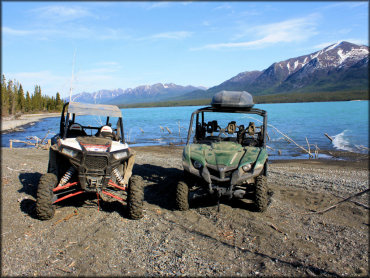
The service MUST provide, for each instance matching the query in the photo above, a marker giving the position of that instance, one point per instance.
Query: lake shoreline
(340, 159)
(152, 127)
(11, 124)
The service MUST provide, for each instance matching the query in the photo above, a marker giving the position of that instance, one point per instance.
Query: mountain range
(339, 67)
(144, 93)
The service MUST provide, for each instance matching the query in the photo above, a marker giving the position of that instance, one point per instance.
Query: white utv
(90, 159)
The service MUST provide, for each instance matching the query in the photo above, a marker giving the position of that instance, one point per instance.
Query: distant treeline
(275, 98)
(313, 97)
(15, 101)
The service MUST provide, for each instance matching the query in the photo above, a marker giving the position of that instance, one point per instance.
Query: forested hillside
(14, 100)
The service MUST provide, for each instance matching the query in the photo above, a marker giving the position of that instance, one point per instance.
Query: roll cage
(201, 111)
(71, 109)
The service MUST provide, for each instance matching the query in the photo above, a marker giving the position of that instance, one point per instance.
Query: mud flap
(52, 166)
(128, 171)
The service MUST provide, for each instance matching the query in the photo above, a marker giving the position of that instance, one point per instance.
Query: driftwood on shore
(329, 137)
(290, 140)
(38, 143)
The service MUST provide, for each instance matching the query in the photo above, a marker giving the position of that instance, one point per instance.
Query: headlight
(69, 152)
(197, 164)
(120, 155)
(247, 167)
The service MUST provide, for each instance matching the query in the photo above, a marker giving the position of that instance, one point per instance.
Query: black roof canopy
(239, 100)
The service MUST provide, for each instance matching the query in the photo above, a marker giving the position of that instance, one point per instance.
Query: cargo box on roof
(232, 99)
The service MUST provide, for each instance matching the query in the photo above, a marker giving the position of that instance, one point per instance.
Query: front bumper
(95, 169)
(232, 176)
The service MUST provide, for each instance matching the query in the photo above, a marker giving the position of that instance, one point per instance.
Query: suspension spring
(118, 176)
(67, 176)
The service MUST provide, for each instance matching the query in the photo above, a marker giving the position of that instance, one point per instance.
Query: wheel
(44, 202)
(261, 193)
(135, 197)
(182, 196)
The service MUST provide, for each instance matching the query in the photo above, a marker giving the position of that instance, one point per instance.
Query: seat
(106, 132)
(75, 130)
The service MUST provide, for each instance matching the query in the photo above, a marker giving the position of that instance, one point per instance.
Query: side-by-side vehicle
(227, 156)
(89, 155)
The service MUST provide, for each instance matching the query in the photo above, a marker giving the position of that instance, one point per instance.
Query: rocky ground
(289, 239)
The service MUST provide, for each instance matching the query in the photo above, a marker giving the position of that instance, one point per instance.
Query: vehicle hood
(228, 154)
(95, 144)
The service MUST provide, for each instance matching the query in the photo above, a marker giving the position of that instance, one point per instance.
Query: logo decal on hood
(95, 148)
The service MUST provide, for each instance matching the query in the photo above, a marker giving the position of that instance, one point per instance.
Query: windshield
(91, 124)
(242, 128)
(94, 109)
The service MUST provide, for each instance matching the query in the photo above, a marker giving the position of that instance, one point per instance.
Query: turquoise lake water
(346, 122)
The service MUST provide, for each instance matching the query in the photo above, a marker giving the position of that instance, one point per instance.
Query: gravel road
(289, 239)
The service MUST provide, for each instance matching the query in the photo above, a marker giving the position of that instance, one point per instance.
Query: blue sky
(127, 44)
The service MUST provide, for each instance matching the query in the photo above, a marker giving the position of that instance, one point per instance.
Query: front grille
(96, 162)
(217, 173)
(214, 173)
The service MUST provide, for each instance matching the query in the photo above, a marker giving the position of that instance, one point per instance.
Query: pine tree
(21, 100)
(52, 104)
(37, 99)
(28, 107)
(12, 97)
(4, 97)
(58, 102)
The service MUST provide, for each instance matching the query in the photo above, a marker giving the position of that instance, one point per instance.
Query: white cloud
(176, 35)
(60, 13)
(15, 32)
(223, 7)
(84, 80)
(172, 35)
(206, 23)
(292, 30)
(156, 5)
(350, 5)
(344, 31)
(75, 32)
(186, 3)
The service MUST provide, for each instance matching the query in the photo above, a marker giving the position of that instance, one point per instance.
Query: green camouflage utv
(228, 156)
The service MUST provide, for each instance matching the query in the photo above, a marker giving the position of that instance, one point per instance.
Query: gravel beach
(289, 239)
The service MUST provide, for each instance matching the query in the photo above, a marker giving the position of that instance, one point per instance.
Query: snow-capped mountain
(144, 93)
(97, 97)
(330, 69)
